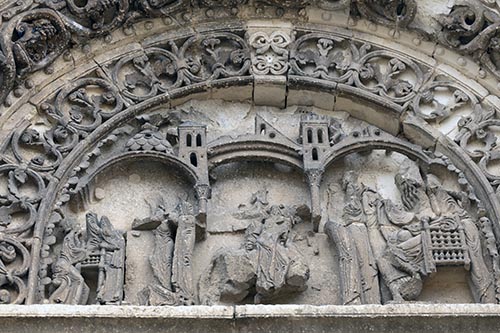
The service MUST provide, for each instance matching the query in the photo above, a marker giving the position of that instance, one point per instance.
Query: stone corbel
(314, 180)
(203, 193)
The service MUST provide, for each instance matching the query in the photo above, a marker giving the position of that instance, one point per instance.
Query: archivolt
(390, 88)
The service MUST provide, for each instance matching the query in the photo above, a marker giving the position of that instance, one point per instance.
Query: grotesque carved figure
(37, 42)
(268, 261)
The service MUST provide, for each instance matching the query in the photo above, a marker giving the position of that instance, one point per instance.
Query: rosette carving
(271, 52)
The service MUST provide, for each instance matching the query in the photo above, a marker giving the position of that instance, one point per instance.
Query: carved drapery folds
(105, 117)
(102, 250)
(405, 243)
(174, 240)
(399, 243)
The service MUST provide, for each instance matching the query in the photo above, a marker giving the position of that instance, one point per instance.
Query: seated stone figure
(430, 204)
(399, 239)
(268, 262)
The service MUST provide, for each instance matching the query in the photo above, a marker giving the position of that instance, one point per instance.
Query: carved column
(314, 180)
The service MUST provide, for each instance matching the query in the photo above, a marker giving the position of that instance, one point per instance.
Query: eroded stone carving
(103, 251)
(81, 108)
(14, 261)
(359, 274)
(267, 261)
(404, 243)
(174, 240)
(108, 246)
(388, 12)
(271, 53)
(67, 278)
(474, 30)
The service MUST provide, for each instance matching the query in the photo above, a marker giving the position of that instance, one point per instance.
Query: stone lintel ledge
(413, 317)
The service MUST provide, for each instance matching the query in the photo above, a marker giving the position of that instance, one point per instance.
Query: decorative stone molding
(36, 33)
(131, 107)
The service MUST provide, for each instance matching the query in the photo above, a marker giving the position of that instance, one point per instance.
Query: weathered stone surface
(317, 153)
(251, 318)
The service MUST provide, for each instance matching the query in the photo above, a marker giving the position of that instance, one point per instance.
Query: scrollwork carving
(81, 107)
(474, 30)
(388, 12)
(338, 60)
(95, 17)
(146, 75)
(315, 55)
(213, 56)
(14, 264)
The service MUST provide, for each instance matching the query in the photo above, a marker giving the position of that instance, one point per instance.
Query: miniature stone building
(249, 165)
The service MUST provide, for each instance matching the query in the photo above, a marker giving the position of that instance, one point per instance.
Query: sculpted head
(350, 178)
(433, 182)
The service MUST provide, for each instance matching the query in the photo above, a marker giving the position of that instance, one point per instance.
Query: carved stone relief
(299, 206)
(212, 202)
(38, 32)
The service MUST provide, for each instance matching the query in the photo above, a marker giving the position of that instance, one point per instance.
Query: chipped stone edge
(250, 311)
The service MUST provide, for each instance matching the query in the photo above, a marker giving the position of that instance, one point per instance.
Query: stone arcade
(230, 165)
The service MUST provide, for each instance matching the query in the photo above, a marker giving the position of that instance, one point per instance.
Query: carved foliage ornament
(36, 37)
(84, 105)
(200, 58)
(338, 60)
(475, 31)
